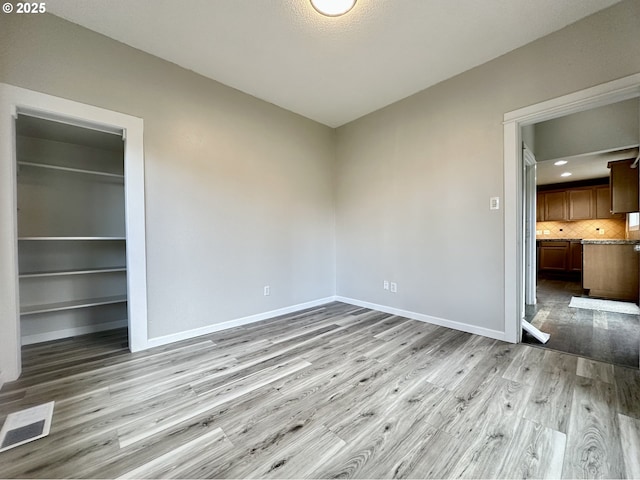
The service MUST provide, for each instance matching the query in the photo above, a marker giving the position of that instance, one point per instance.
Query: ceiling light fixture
(560, 162)
(333, 8)
(565, 174)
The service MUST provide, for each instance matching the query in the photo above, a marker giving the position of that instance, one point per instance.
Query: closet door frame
(16, 100)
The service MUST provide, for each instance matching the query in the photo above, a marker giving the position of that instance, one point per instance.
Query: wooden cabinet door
(623, 182)
(603, 203)
(580, 204)
(554, 256)
(575, 254)
(540, 207)
(555, 206)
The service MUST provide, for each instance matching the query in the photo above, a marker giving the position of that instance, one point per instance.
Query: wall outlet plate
(267, 290)
(385, 285)
(394, 287)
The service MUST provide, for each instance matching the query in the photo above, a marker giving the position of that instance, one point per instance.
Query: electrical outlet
(494, 203)
(547, 232)
(538, 232)
(385, 285)
(601, 231)
(267, 290)
(394, 287)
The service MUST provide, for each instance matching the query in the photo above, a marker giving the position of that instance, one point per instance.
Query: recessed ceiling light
(560, 162)
(333, 8)
(565, 174)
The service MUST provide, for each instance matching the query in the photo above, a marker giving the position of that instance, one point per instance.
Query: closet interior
(71, 230)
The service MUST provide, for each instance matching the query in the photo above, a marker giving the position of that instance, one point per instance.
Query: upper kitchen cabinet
(555, 206)
(540, 207)
(575, 203)
(580, 204)
(603, 203)
(623, 181)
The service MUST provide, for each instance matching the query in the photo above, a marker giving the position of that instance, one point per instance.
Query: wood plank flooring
(613, 338)
(331, 392)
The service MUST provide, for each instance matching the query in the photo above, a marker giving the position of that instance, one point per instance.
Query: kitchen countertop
(558, 239)
(592, 241)
(587, 241)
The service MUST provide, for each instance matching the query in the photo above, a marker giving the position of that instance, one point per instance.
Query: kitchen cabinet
(575, 256)
(540, 207)
(580, 204)
(611, 271)
(555, 206)
(554, 256)
(560, 256)
(575, 203)
(623, 181)
(602, 196)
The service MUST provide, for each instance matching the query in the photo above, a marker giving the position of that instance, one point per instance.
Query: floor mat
(26, 425)
(604, 305)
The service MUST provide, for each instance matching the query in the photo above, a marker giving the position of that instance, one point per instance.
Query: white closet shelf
(84, 271)
(70, 238)
(60, 306)
(70, 169)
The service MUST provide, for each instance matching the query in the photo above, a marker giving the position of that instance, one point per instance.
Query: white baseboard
(464, 327)
(216, 327)
(72, 332)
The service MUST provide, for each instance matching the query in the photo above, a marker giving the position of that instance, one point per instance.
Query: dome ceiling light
(333, 8)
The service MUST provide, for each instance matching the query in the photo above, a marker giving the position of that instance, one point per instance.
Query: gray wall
(238, 192)
(604, 128)
(414, 179)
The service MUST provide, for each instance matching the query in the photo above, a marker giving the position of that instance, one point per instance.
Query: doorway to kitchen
(579, 247)
(515, 195)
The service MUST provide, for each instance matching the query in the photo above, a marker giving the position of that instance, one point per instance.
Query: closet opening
(72, 272)
(72, 199)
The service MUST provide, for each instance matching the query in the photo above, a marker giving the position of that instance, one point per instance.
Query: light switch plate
(494, 203)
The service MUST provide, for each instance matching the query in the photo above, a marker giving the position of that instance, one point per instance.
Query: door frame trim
(514, 256)
(12, 101)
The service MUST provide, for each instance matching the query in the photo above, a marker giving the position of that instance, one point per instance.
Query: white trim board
(13, 100)
(216, 327)
(463, 327)
(72, 332)
(514, 266)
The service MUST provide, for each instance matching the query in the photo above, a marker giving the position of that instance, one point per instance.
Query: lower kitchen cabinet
(554, 256)
(560, 256)
(611, 271)
(575, 255)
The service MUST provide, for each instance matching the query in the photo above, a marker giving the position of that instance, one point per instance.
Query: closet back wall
(238, 191)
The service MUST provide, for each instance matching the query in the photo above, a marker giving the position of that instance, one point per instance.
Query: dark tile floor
(604, 336)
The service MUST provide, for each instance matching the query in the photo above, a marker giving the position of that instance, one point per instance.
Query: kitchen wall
(604, 128)
(415, 178)
(239, 192)
(584, 229)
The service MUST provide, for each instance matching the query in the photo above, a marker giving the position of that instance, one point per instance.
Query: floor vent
(26, 425)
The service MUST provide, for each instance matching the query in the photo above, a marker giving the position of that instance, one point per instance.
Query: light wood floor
(335, 391)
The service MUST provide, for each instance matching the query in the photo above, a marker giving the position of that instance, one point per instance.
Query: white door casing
(14, 100)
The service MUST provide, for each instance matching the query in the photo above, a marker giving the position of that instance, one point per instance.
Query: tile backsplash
(613, 229)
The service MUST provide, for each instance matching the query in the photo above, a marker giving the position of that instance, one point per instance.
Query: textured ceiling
(332, 70)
